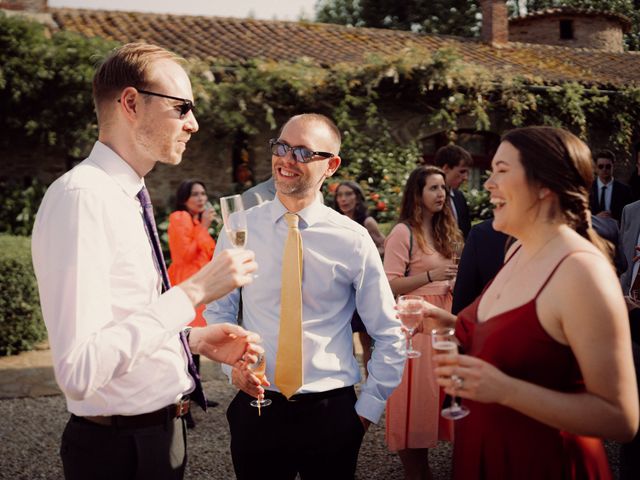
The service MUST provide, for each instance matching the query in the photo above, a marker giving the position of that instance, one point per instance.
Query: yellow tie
(288, 376)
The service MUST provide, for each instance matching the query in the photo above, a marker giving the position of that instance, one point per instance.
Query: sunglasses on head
(300, 154)
(186, 107)
(604, 166)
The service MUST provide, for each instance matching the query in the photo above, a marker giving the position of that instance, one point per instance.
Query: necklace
(514, 270)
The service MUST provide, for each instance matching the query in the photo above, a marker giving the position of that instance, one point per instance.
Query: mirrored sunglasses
(300, 154)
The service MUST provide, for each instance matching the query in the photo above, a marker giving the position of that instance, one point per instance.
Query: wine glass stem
(407, 334)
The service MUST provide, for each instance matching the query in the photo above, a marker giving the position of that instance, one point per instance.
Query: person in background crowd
(455, 162)
(482, 257)
(608, 196)
(262, 192)
(315, 423)
(630, 248)
(547, 364)
(191, 246)
(634, 179)
(349, 200)
(418, 253)
(115, 325)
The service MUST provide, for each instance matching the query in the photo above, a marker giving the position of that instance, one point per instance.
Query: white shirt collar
(115, 166)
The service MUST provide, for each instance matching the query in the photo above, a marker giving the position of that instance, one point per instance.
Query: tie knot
(292, 219)
(143, 196)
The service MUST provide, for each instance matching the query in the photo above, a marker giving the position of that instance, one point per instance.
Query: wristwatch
(187, 332)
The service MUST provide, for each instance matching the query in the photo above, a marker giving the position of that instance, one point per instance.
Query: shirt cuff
(174, 309)
(370, 407)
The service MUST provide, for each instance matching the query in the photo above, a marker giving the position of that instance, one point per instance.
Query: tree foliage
(436, 87)
(45, 86)
(452, 17)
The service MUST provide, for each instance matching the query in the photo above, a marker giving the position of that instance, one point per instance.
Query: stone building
(593, 56)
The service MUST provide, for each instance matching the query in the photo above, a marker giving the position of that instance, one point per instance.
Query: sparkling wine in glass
(259, 368)
(443, 341)
(410, 308)
(456, 253)
(235, 220)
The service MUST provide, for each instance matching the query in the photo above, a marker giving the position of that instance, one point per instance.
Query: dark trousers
(101, 452)
(316, 435)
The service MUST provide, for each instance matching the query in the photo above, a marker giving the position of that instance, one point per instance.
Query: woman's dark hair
(184, 192)
(360, 213)
(445, 227)
(556, 159)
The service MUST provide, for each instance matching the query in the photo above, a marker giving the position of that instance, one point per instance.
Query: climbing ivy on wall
(45, 97)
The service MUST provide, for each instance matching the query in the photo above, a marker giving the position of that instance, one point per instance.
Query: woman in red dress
(547, 368)
(190, 244)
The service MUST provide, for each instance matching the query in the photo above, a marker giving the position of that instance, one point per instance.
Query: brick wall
(30, 5)
(495, 28)
(589, 32)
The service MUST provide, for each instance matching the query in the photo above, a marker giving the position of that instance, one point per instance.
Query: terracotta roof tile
(239, 40)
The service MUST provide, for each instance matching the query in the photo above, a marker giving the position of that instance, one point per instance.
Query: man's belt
(159, 417)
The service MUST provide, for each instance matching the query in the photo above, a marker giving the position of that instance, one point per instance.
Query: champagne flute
(235, 220)
(443, 341)
(410, 308)
(456, 253)
(259, 368)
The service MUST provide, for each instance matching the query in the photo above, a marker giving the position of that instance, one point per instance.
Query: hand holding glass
(410, 309)
(443, 341)
(258, 369)
(235, 220)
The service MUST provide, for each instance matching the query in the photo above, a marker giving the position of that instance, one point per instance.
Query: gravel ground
(30, 430)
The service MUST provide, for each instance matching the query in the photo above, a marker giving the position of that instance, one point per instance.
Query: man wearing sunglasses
(608, 196)
(114, 323)
(315, 427)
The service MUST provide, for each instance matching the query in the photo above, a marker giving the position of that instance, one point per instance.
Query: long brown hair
(445, 228)
(556, 159)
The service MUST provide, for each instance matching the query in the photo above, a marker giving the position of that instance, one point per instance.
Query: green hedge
(21, 325)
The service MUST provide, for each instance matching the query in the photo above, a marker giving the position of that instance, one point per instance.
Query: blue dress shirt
(342, 271)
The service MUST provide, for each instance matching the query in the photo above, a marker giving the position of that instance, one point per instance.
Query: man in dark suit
(608, 196)
(482, 257)
(455, 162)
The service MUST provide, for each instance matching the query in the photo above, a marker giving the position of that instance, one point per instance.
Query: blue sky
(263, 9)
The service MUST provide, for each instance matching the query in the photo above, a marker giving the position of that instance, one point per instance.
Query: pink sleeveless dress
(496, 442)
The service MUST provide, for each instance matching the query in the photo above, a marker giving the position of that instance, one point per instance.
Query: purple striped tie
(158, 259)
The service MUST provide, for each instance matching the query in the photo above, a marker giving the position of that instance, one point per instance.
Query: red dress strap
(556, 268)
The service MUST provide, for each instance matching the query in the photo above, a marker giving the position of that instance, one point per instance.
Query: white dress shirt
(607, 193)
(342, 271)
(114, 337)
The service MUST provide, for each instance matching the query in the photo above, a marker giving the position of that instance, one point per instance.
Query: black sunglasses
(186, 107)
(300, 154)
(605, 166)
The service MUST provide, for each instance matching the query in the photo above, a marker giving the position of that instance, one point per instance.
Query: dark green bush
(21, 325)
(20, 201)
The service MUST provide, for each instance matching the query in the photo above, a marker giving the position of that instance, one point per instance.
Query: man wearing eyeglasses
(114, 323)
(608, 196)
(313, 427)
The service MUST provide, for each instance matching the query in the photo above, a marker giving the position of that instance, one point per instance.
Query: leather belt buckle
(182, 407)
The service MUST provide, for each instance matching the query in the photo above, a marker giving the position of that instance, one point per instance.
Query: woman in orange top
(190, 245)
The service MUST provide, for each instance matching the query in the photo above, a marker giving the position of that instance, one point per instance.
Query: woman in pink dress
(547, 365)
(417, 261)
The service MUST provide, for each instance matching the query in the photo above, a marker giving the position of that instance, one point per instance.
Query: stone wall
(30, 5)
(589, 32)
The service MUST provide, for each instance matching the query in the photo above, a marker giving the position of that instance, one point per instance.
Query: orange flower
(381, 206)
(333, 187)
(375, 197)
